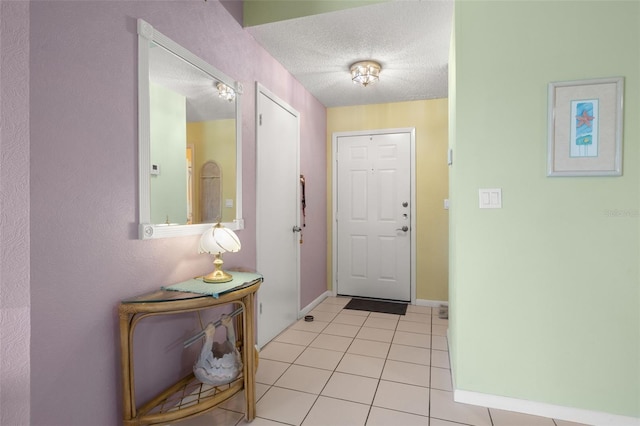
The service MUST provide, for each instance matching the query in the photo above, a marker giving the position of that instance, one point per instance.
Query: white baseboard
(431, 303)
(542, 409)
(304, 311)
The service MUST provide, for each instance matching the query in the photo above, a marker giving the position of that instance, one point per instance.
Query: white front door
(277, 213)
(373, 215)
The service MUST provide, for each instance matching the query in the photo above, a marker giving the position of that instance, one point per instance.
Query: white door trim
(334, 248)
(260, 192)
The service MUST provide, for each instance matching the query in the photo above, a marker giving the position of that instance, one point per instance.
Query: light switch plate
(490, 198)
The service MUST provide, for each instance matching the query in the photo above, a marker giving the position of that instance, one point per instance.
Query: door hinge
(260, 308)
(260, 119)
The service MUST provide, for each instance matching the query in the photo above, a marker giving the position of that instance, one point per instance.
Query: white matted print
(585, 128)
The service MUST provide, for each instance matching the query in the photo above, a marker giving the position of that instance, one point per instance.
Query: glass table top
(163, 295)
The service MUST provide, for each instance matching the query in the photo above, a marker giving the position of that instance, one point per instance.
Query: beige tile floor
(349, 368)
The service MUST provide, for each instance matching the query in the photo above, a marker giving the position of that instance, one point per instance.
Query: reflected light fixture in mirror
(217, 240)
(225, 92)
(160, 222)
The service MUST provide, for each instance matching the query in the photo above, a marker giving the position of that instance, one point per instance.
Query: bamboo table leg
(125, 351)
(249, 368)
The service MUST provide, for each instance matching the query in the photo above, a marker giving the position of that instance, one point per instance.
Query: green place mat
(196, 285)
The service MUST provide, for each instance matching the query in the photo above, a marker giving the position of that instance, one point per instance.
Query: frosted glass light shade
(208, 244)
(227, 239)
(217, 240)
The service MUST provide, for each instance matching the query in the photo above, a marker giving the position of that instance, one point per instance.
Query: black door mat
(398, 308)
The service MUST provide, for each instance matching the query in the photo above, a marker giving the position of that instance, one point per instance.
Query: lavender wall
(14, 213)
(84, 253)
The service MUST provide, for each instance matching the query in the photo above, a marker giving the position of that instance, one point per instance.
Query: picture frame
(585, 127)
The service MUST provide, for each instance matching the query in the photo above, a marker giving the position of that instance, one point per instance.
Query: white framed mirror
(189, 135)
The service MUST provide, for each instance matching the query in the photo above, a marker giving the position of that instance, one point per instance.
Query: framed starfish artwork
(585, 127)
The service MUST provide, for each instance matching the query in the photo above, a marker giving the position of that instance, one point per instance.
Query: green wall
(257, 12)
(169, 135)
(544, 292)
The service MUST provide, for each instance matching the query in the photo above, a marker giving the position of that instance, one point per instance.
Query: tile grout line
(430, 365)
(341, 358)
(332, 371)
(377, 384)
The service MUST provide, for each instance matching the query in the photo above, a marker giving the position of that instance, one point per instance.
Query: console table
(188, 397)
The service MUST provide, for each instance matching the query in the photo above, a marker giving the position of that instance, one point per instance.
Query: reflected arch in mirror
(211, 192)
(202, 124)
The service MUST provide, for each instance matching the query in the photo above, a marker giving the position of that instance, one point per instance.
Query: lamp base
(217, 276)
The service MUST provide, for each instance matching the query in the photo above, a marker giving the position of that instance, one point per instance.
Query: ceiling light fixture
(365, 73)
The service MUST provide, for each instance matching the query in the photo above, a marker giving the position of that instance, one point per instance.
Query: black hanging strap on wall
(303, 202)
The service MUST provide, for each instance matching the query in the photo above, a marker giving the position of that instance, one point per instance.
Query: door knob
(403, 229)
(405, 204)
(297, 229)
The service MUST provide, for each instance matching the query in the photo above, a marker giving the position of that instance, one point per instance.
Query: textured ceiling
(409, 38)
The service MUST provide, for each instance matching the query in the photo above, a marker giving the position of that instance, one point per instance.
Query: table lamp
(217, 240)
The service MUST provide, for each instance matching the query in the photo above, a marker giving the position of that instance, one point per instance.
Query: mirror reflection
(193, 134)
(190, 159)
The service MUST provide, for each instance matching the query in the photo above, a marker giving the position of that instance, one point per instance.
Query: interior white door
(277, 214)
(373, 185)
